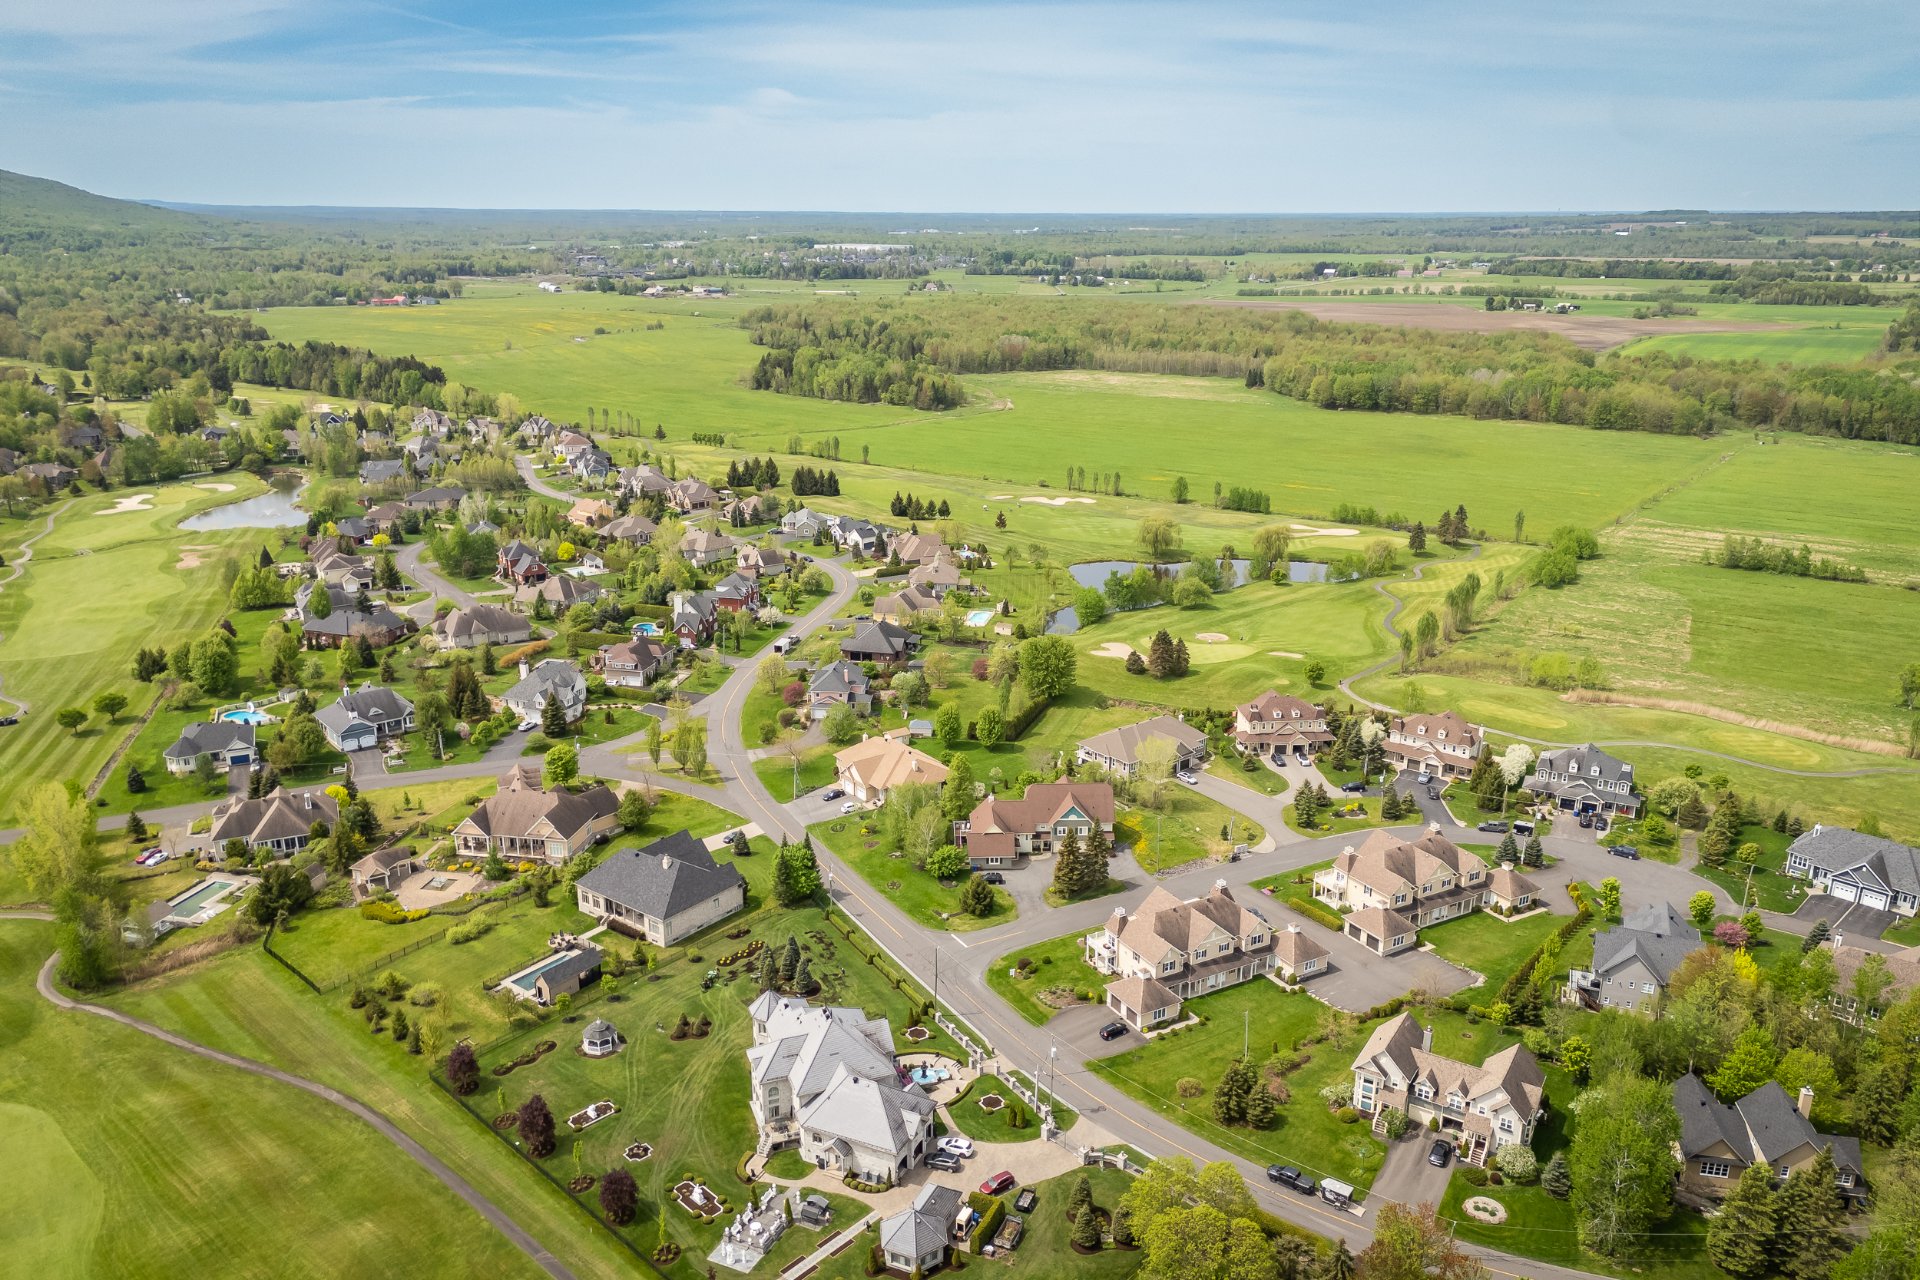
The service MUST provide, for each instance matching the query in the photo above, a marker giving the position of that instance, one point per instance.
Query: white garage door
(1874, 898)
(1845, 892)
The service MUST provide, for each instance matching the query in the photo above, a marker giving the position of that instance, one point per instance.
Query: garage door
(1845, 892)
(1874, 898)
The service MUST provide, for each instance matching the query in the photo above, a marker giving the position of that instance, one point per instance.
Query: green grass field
(100, 586)
(1489, 945)
(133, 1158)
(1058, 962)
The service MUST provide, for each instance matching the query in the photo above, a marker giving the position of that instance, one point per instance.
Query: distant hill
(55, 215)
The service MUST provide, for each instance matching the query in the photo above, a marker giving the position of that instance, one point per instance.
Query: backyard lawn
(776, 772)
(1056, 964)
(1773, 889)
(1487, 944)
(1188, 827)
(893, 874)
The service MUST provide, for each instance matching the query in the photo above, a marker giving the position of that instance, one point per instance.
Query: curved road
(353, 1106)
(1346, 686)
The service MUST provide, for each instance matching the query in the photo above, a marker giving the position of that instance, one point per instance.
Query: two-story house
(1483, 1108)
(1391, 887)
(557, 678)
(1275, 723)
(632, 663)
(1442, 744)
(1168, 951)
(838, 682)
(1854, 867)
(1118, 749)
(1633, 962)
(1001, 829)
(1718, 1141)
(1584, 780)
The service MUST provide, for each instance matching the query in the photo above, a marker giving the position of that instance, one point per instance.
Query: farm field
(100, 586)
(225, 1173)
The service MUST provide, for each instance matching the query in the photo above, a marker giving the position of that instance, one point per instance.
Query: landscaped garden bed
(591, 1115)
(697, 1199)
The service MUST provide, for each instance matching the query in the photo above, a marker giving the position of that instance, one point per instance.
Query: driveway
(1078, 1031)
(1851, 918)
(1406, 1177)
(1358, 980)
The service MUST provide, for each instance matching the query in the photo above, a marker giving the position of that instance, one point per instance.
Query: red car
(999, 1184)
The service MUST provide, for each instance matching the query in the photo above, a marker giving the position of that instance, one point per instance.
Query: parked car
(1190, 779)
(1353, 788)
(1496, 827)
(154, 857)
(1586, 820)
(1113, 1031)
(848, 807)
(1424, 778)
(1433, 793)
(832, 793)
(993, 877)
(9, 719)
(1441, 1154)
(957, 1146)
(526, 726)
(1600, 823)
(1523, 828)
(1625, 851)
(999, 1184)
(943, 1162)
(1288, 1176)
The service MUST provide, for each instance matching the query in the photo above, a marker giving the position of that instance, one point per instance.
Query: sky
(1195, 106)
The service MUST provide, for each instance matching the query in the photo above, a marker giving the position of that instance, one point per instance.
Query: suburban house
(631, 663)
(1393, 887)
(228, 743)
(858, 536)
(1509, 893)
(918, 548)
(1903, 975)
(1718, 1141)
(592, 466)
(590, 513)
(1118, 750)
(642, 480)
(379, 471)
(1298, 957)
(915, 1240)
(802, 523)
(872, 767)
(383, 870)
(1275, 723)
(826, 1076)
(387, 517)
(637, 530)
(481, 624)
(879, 642)
(433, 422)
(689, 495)
(569, 445)
(668, 891)
(1484, 1108)
(352, 529)
(838, 682)
(937, 579)
(524, 822)
(363, 718)
(764, 562)
(279, 822)
(900, 606)
(702, 548)
(346, 624)
(561, 593)
(693, 616)
(1169, 951)
(1001, 829)
(735, 592)
(550, 676)
(1585, 779)
(1870, 870)
(1443, 745)
(51, 475)
(520, 564)
(440, 498)
(1634, 961)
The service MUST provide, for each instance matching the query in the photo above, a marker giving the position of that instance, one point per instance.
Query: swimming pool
(646, 628)
(524, 981)
(979, 617)
(246, 717)
(189, 903)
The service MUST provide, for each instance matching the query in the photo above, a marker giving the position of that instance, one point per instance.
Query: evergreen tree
(1339, 1264)
(1820, 932)
(1509, 850)
(1740, 1237)
(1260, 1106)
(1230, 1095)
(1080, 1197)
(1086, 1229)
(803, 983)
(1390, 805)
(136, 782)
(976, 898)
(1160, 659)
(1555, 1179)
(1533, 855)
(789, 960)
(956, 798)
(1123, 1227)
(1811, 1221)
(553, 720)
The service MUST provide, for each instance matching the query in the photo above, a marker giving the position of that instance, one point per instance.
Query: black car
(943, 1162)
(1600, 823)
(1288, 1176)
(1586, 819)
(1353, 788)
(9, 719)
(993, 877)
(832, 793)
(1441, 1154)
(1498, 828)
(1432, 794)
(1113, 1031)
(1625, 851)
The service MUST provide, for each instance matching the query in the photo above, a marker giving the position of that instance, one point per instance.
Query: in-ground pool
(927, 1076)
(189, 904)
(524, 981)
(646, 628)
(246, 717)
(979, 617)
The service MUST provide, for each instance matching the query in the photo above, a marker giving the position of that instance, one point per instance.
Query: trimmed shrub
(1518, 1163)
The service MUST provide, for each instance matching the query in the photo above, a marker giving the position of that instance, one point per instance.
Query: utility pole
(1246, 1033)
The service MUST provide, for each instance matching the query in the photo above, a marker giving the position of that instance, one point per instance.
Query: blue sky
(1202, 107)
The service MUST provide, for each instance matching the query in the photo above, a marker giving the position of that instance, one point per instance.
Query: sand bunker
(216, 486)
(1284, 653)
(1210, 637)
(191, 557)
(1312, 531)
(999, 497)
(1057, 502)
(132, 502)
(1112, 649)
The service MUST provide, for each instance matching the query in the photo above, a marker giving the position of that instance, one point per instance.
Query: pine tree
(1066, 867)
(553, 720)
(1390, 805)
(1555, 1179)
(1820, 932)
(1740, 1237)
(1533, 855)
(789, 960)
(1230, 1095)
(1260, 1106)
(1339, 1264)
(1080, 1197)
(1509, 850)
(1181, 662)
(803, 977)
(1123, 1227)
(1811, 1222)
(1086, 1229)
(136, 782)
(1160, 658)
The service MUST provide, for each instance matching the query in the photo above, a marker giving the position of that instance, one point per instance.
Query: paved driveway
(1358, 979)
(1078, 1031)
(1406, 1177)
(1845, 917)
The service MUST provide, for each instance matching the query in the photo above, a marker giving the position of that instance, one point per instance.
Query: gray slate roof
(215, 737)
(841, 677)
(1655, 935)
(665, 878)
(924, 1226)
(881, 638)
(1837, 849)
(1761, 1127)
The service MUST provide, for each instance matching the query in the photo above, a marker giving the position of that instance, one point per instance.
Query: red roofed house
(1275, 723)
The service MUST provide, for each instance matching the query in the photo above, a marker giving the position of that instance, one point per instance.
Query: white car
(957, 1146)
(526, 726)
(1190, 779)
(155, 858)
(848, 807)
(1424, 779)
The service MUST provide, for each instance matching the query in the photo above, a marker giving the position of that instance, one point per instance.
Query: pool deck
(413, 894)
(946, 1090)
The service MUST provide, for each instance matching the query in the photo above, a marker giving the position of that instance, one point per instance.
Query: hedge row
(1318, 912)
(1524, 974)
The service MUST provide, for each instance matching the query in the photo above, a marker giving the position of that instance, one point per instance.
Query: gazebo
(599, 1040)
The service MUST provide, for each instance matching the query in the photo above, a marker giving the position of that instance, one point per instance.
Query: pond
(1093, 573)
(274, 509)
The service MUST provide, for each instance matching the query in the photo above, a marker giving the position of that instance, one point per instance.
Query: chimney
(1426, 1038)
(1804, 1104)
(1434, 828)
(523, 668)
(1293, 928)
(1220, 885)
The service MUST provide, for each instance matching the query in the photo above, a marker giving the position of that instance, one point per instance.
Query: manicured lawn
(705, 676)
(1634, 833)
(1189, 826)
(776, 772)
(1259, 778)
(912, 890)
(997, 1125)
(1488, 944)
(1364, 816)
(130, 1157)
(1772, 888)
(1056, 963)
(1296, 886)
(604, 722)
